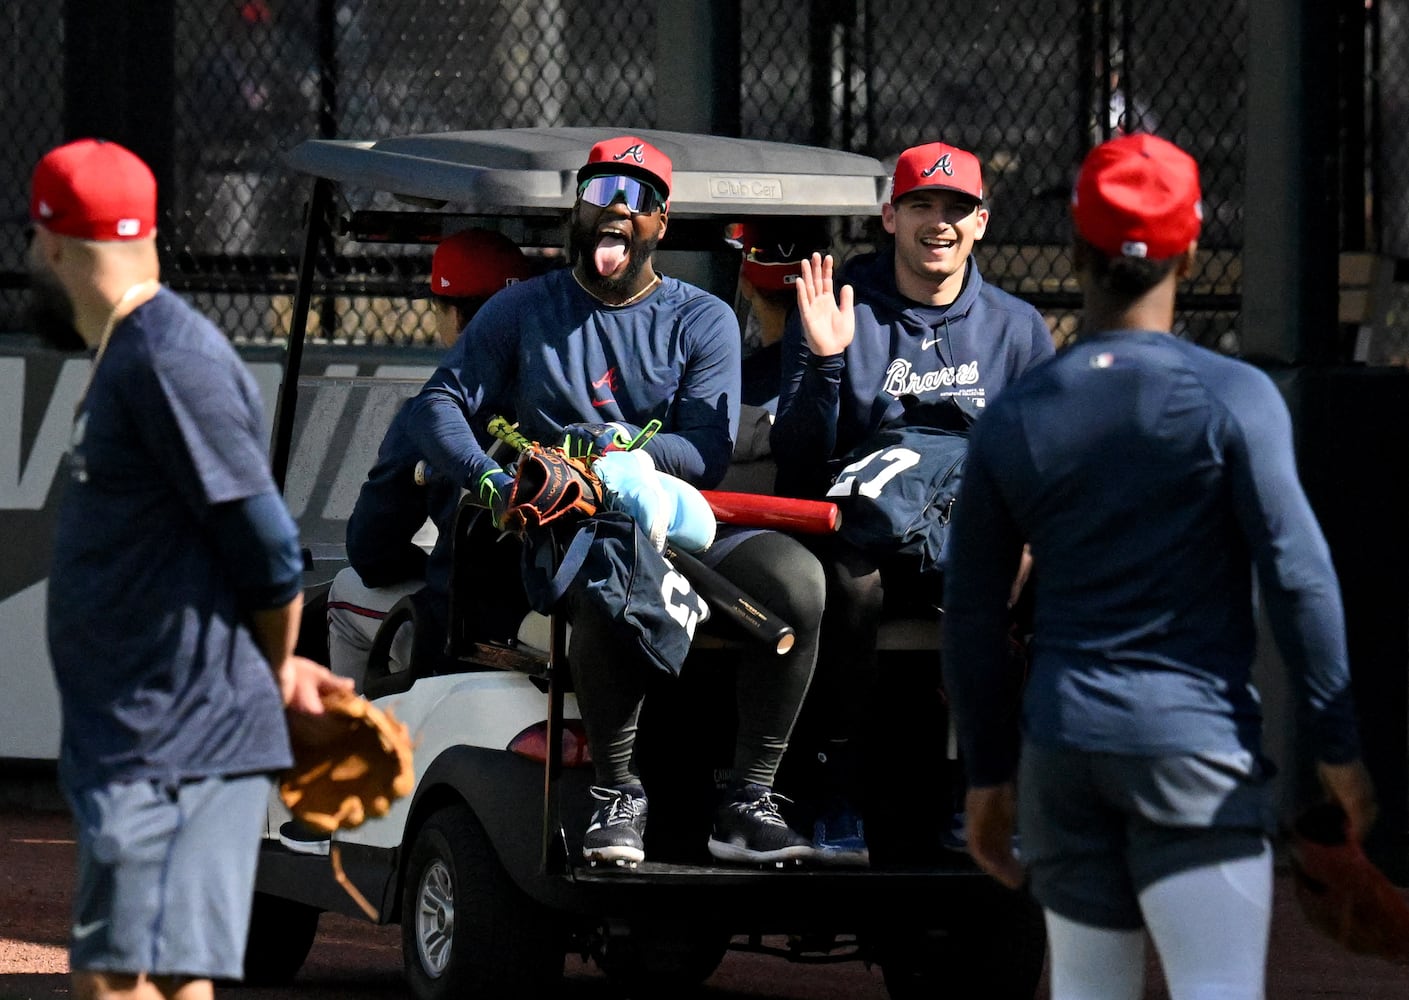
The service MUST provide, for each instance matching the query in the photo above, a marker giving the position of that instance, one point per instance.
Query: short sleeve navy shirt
(158, 674)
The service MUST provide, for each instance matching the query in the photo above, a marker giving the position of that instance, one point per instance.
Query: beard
(583, 244)
(49, 313)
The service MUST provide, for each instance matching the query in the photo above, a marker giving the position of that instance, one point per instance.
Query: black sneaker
(618, 826)
(305, 840)
(749, 828)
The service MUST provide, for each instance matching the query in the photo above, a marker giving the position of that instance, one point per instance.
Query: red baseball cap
(1138, 196)
(92, 189)
(774, 249)
(476, 263)
(937, 165)
(631, 156)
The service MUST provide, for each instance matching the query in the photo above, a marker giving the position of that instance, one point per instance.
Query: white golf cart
(481, 866)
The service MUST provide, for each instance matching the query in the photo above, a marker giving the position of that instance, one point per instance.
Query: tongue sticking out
(610, 255)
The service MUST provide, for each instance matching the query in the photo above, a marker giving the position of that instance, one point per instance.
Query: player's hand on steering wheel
(828, 321)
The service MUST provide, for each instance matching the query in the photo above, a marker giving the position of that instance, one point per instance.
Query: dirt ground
(352, 959)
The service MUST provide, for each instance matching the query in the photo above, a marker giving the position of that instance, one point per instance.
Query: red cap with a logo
(1138, 196)
(774, 249)
(476, 263)
(631, 156)
(91, 189)
(937, 165)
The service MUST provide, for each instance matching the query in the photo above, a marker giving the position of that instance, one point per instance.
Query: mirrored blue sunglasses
(602, 190)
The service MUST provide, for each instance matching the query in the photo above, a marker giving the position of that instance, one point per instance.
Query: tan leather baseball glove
(359, 762)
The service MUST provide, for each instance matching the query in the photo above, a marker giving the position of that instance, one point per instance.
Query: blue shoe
(839, 838)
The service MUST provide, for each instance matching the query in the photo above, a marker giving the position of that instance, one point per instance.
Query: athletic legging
(1209, 926)
(782, 574)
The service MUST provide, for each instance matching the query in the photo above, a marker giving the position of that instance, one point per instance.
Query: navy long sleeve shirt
(1152, 478)
(549, 353)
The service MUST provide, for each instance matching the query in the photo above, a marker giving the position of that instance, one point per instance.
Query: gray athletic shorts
(166, 875)
(1099, 828)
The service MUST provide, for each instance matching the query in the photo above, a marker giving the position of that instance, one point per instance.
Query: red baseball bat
(756, 510)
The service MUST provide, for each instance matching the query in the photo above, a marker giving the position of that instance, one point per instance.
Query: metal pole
(697, 67)
(559, 676)
(1290, 216)
(279, 449)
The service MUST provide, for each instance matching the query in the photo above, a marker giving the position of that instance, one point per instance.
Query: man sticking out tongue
(591, 355)
(619, 218)
(611, 255)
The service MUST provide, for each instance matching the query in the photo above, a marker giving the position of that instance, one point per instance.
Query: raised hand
(828, 320)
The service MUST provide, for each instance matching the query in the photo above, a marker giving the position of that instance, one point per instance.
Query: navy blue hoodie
(959, 355)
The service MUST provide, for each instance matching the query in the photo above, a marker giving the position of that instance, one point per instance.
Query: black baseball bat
(733, 605)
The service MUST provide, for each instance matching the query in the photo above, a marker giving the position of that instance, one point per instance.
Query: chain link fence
(1027, 85)
(1388, 99)
(31, 32)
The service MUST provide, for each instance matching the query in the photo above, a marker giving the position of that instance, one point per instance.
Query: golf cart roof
(534, 171)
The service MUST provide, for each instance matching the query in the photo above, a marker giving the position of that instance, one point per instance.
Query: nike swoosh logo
(925, 345)
(81, 931)
(603, 402)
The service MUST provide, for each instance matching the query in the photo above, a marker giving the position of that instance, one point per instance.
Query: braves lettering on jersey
(960, 355)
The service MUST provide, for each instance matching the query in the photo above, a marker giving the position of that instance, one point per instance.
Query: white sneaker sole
(723, 851)
(614, 855)
(843, 856)
(321, 847)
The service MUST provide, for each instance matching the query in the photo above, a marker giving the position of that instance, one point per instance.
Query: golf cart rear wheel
(466, 930)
